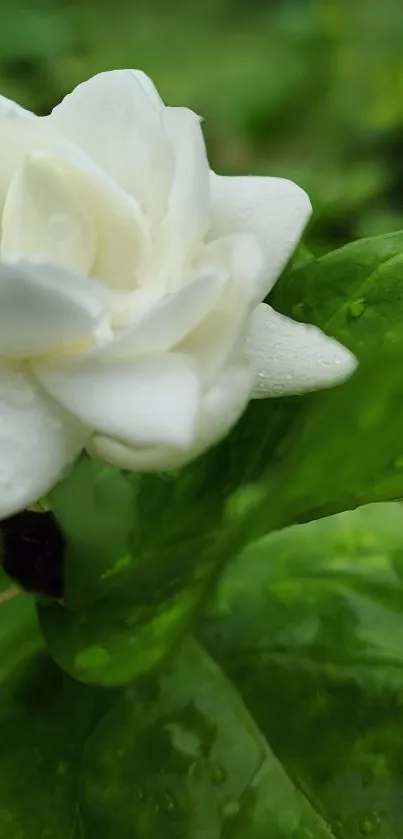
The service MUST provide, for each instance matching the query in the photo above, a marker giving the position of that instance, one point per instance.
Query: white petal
(172, 318)
(9, 108)
(45, 308)
(149, 88)
(19, 136)
(38, 439)
(147, 401)
(188, 213)
(62, 207)
(114, 118)
(291, 357)
(273, 209)
(223, 404)
(220, 408)
(44, 218)
(222, 334)
(142, 459)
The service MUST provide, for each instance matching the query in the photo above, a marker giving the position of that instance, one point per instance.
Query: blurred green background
(309, 89)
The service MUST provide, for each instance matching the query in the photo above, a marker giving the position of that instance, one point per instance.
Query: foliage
(289, 727)
(287, 87)
(218, 668)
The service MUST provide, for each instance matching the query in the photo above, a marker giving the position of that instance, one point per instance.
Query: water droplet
(356, 308)
(338, 828)
(231, 809)
(370, 825)
(167, 802)
(140, 793)
(218, 775)
(337, 359)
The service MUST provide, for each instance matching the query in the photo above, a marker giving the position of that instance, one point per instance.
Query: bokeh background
(309, 89)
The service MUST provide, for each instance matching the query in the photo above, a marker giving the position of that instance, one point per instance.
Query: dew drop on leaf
(231, 809)
(370, 825)
(356, 308)
(218, 775)
(367, 778)
(140, 794)
(166, 802)
(337, 828)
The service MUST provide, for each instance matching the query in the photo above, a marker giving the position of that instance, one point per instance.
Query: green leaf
(354, 294)
(19, 637)
(137, 566)
(308, 624)
(352, 433)
(95, 508)
(44, 720)
(343, 450)
(180, 757)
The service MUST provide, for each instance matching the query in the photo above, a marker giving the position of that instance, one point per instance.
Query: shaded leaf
(308, 623)
(354, 294)
(194, 765)
(95, 508)
(44, 719)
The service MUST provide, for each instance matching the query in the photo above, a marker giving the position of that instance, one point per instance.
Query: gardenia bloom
(131, 281)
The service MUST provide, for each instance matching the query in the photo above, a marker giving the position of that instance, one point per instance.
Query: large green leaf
(137, 565)
(186, 529)
(44, 719)
(95, 508)
(354, 294)
(344, 449)
(308, 623)
(181, 757)
(163, 761)
(308, 627)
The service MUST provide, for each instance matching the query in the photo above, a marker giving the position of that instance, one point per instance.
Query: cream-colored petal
(187, 220)
(19, 135)
(170, 319)
(220, 336)
(44, 219)
(61, 206)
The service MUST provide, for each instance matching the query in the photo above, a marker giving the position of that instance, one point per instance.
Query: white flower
(131, 281)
